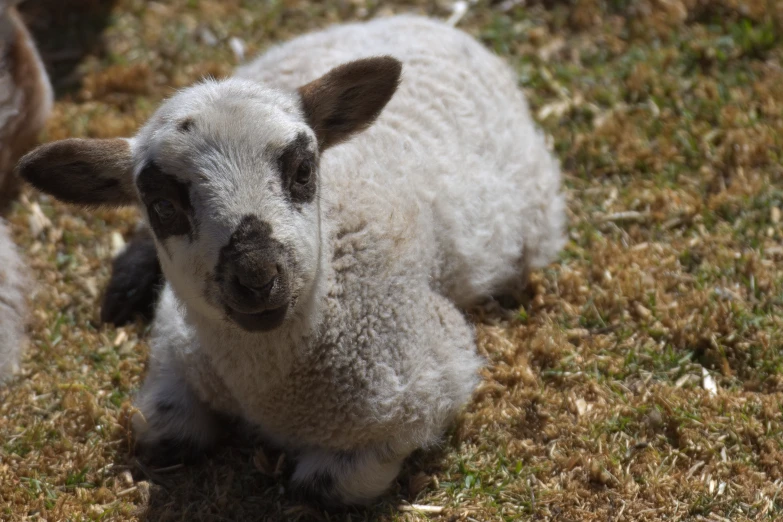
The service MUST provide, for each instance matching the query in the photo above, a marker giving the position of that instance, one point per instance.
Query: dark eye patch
(154, 185)
(295, 161)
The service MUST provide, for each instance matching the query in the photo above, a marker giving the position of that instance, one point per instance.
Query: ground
(641, 382)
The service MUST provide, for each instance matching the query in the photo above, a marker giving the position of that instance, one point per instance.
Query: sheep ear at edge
(89, 172)
(349, 98)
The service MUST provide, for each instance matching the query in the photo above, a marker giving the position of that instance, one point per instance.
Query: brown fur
(24, 92)
(349, 98)
(68, 168)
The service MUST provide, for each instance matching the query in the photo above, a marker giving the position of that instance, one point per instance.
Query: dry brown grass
(667, 116)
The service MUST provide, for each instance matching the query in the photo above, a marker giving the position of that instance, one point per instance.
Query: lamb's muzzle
(253, 276)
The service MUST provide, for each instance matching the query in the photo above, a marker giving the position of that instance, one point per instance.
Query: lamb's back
(457, 138)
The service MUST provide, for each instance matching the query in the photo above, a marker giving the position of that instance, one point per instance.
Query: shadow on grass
(240, 483)
(65, 33)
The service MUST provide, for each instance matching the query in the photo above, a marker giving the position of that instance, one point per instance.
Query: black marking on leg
(136, 283)
(318, 490)
(322, 483)
(321, 488)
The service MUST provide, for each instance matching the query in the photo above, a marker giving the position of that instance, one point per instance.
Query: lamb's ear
(82, 171)
(347, 99)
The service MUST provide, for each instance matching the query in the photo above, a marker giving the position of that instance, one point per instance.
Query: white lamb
(313, 286)
(25, 103)
(14, 285)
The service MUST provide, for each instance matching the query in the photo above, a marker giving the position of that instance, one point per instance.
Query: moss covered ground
(641, 382)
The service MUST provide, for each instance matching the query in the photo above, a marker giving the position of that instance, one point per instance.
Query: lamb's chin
(265, 321)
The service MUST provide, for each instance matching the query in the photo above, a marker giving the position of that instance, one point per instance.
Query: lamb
(321, 219)
(25, 103)
(14, 284)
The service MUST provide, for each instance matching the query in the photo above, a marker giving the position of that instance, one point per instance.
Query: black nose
(253, 281)
(257, 281)
(252, 271)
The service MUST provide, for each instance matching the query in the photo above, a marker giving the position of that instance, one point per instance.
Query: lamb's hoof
(508, 301)
(136, 282)
(170, 452)
(345, 479)
(320, 492)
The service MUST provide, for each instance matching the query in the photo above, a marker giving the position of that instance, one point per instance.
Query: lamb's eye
(164, 209)
(303, 173)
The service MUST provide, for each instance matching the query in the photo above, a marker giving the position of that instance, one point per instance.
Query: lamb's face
(227, 175)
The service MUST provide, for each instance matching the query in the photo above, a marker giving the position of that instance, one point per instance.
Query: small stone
(126, 478)
(117, 243)
(643, 312)
(38, 221)
(708, 382)
(91, 285)
(207, 37)
(237, 47)
(654, 420)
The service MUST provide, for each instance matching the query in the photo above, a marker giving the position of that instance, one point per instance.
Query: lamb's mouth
(258, 321)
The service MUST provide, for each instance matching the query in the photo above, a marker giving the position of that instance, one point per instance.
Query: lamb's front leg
(171, 423)
(136, 281)
(346, 477)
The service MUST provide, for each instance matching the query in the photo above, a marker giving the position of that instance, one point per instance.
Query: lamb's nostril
(259, 282)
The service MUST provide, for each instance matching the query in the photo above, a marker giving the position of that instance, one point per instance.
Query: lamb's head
(226, 174)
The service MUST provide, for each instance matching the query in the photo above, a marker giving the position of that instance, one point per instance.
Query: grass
(667, 117)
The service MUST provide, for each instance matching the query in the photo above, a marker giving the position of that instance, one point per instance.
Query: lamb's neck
(266, 354)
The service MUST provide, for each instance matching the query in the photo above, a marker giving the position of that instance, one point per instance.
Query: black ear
(82, 171)
(347, 99)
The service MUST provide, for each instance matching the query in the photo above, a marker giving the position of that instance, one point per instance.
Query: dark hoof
(508, 302)
(319, 499)
(170, 452)
(516, 300)
(136, 282)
